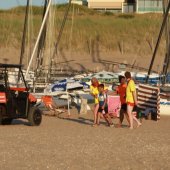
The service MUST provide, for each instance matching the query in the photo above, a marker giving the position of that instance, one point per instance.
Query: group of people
(128, 98)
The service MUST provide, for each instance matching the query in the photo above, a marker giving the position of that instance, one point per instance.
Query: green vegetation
(128, 33)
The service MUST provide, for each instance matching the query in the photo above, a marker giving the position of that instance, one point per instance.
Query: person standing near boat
(121, 90)
(131, 99)
(94, 92)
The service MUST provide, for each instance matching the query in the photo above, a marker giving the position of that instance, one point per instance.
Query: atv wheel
(2, 111)
(34, 116)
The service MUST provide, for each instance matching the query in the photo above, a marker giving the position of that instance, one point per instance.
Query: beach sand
(72, 143)
(81, 61)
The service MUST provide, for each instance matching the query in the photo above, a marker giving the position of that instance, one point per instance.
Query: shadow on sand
(86, 121)
(81, 120)
(20, 122)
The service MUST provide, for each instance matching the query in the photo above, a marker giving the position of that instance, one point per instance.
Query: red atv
(16, 101)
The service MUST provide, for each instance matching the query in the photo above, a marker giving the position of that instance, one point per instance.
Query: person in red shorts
(131, 99)
(121, 90)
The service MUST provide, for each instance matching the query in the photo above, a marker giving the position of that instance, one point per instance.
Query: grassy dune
(88, 26)
(86, 29)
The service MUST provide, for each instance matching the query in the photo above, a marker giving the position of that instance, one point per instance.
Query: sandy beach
(72, 143)
(90, 42)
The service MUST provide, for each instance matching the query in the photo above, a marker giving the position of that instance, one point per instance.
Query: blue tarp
(85, 85)
(168, 78)
(60, 86)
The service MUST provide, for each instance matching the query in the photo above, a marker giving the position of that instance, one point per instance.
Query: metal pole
(158, 41)
(24, 33)
(40, 48)
(62, 28)
(42, 39)
(23, 38)
(38, 38)
(167, 62)
(58, 39)
(167, 54)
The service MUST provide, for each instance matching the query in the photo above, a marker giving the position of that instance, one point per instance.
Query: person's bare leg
(129, 111)
(127, 118)
(108, 119)
(95, 117)
(98, 118)
(121, 117)
(96, 107)
(137, 121)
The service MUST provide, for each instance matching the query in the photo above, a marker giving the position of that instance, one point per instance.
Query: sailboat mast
(39, 36)
(61, 29)
(23, 39)
(158, 40)
(24, 33)
(39, 59)
(42, 40)
(167, 35)
(58, 40)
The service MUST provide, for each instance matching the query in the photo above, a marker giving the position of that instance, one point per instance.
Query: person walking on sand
(121, 90)
(94, 92)
(131, 99)
(103, 106)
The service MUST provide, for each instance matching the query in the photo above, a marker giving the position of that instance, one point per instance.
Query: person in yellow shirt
(94, 92)
(131, 99)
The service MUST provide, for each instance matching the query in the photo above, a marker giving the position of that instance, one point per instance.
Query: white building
(105, 4)
(79, 2)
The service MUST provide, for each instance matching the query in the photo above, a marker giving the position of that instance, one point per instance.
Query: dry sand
(74, 144)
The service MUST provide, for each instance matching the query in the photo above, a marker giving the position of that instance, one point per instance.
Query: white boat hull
(165, 107)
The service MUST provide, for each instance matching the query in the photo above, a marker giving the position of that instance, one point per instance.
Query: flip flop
(139, 125)
(94, 125)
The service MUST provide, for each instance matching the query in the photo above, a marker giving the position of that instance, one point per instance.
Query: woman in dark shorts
(122, 92)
